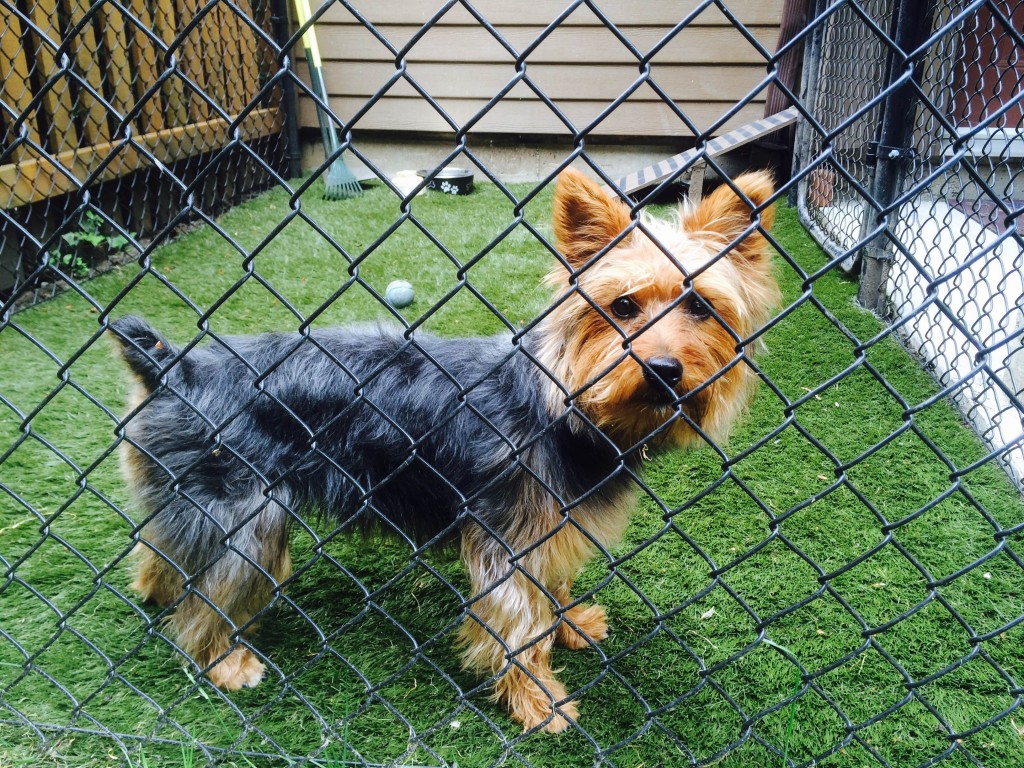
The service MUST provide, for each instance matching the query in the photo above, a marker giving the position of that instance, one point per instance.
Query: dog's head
(652, 318)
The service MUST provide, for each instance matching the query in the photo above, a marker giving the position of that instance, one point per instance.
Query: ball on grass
(399, 293)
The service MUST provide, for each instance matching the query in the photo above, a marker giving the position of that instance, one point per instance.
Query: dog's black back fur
(357, 422)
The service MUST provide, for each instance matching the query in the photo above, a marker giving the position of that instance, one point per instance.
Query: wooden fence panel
(119, 68)
(57, 105)
(113, 66)
(234, 89)
(15, 87)
(192, 58)
(146, 72)
(216, 74)
(83, 44)
(248, 51)
(173, 89)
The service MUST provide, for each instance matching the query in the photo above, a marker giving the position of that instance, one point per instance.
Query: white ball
(399, 293)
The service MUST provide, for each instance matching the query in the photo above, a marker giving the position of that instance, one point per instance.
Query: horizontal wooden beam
(502, 13)
(45, 176)
(522, 113)
(560, 82)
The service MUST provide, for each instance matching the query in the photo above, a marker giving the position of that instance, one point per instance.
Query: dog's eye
(698, 307)
(624, 307)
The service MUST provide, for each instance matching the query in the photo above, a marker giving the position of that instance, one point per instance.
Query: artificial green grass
(698, 666)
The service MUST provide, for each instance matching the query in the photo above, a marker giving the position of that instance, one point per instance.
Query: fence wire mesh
(953, 290)
(836, 585)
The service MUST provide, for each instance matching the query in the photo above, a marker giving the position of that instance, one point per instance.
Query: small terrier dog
(520, 449)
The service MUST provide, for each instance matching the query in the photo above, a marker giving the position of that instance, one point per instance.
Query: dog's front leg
(581, 625)
(509, 634)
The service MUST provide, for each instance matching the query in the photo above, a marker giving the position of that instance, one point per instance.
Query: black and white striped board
(653, 174)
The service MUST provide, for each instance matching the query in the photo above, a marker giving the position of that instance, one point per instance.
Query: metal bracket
(889, 153)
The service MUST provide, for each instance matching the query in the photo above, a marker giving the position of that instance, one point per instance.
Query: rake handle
(316, 76)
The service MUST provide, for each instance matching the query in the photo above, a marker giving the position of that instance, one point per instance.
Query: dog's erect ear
(586, 217)
(723, 215)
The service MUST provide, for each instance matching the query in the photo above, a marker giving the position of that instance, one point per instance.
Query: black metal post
(894, 148)
(290, 102)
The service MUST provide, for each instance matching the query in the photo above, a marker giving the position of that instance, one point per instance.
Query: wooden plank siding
(581, 66)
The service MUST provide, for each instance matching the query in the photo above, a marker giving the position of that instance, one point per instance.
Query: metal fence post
(910, 23)
(290, 100)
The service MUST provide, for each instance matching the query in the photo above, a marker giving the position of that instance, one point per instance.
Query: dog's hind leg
(156, 579)
(233, 558)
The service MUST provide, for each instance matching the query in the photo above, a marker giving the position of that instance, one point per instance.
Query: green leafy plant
(89, 239)
(90, 233)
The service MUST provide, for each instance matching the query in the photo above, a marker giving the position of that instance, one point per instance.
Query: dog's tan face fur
(645, 299)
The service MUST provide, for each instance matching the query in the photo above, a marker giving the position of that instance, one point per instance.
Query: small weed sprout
(70, 263)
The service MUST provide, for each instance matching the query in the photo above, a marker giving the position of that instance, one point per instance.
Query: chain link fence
(836, 585)
(119, 124)
(948, 198)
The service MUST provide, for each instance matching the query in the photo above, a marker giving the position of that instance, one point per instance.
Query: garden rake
(340, 183)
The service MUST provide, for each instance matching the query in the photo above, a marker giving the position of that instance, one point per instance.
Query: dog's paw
(549, 721)
(240, 669)
(156, 583)
(583, 625)
(531, 699)
(564, 715)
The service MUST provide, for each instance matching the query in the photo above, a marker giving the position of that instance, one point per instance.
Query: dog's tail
(143, 348)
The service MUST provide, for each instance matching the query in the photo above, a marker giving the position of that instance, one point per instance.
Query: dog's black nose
(666, 371)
